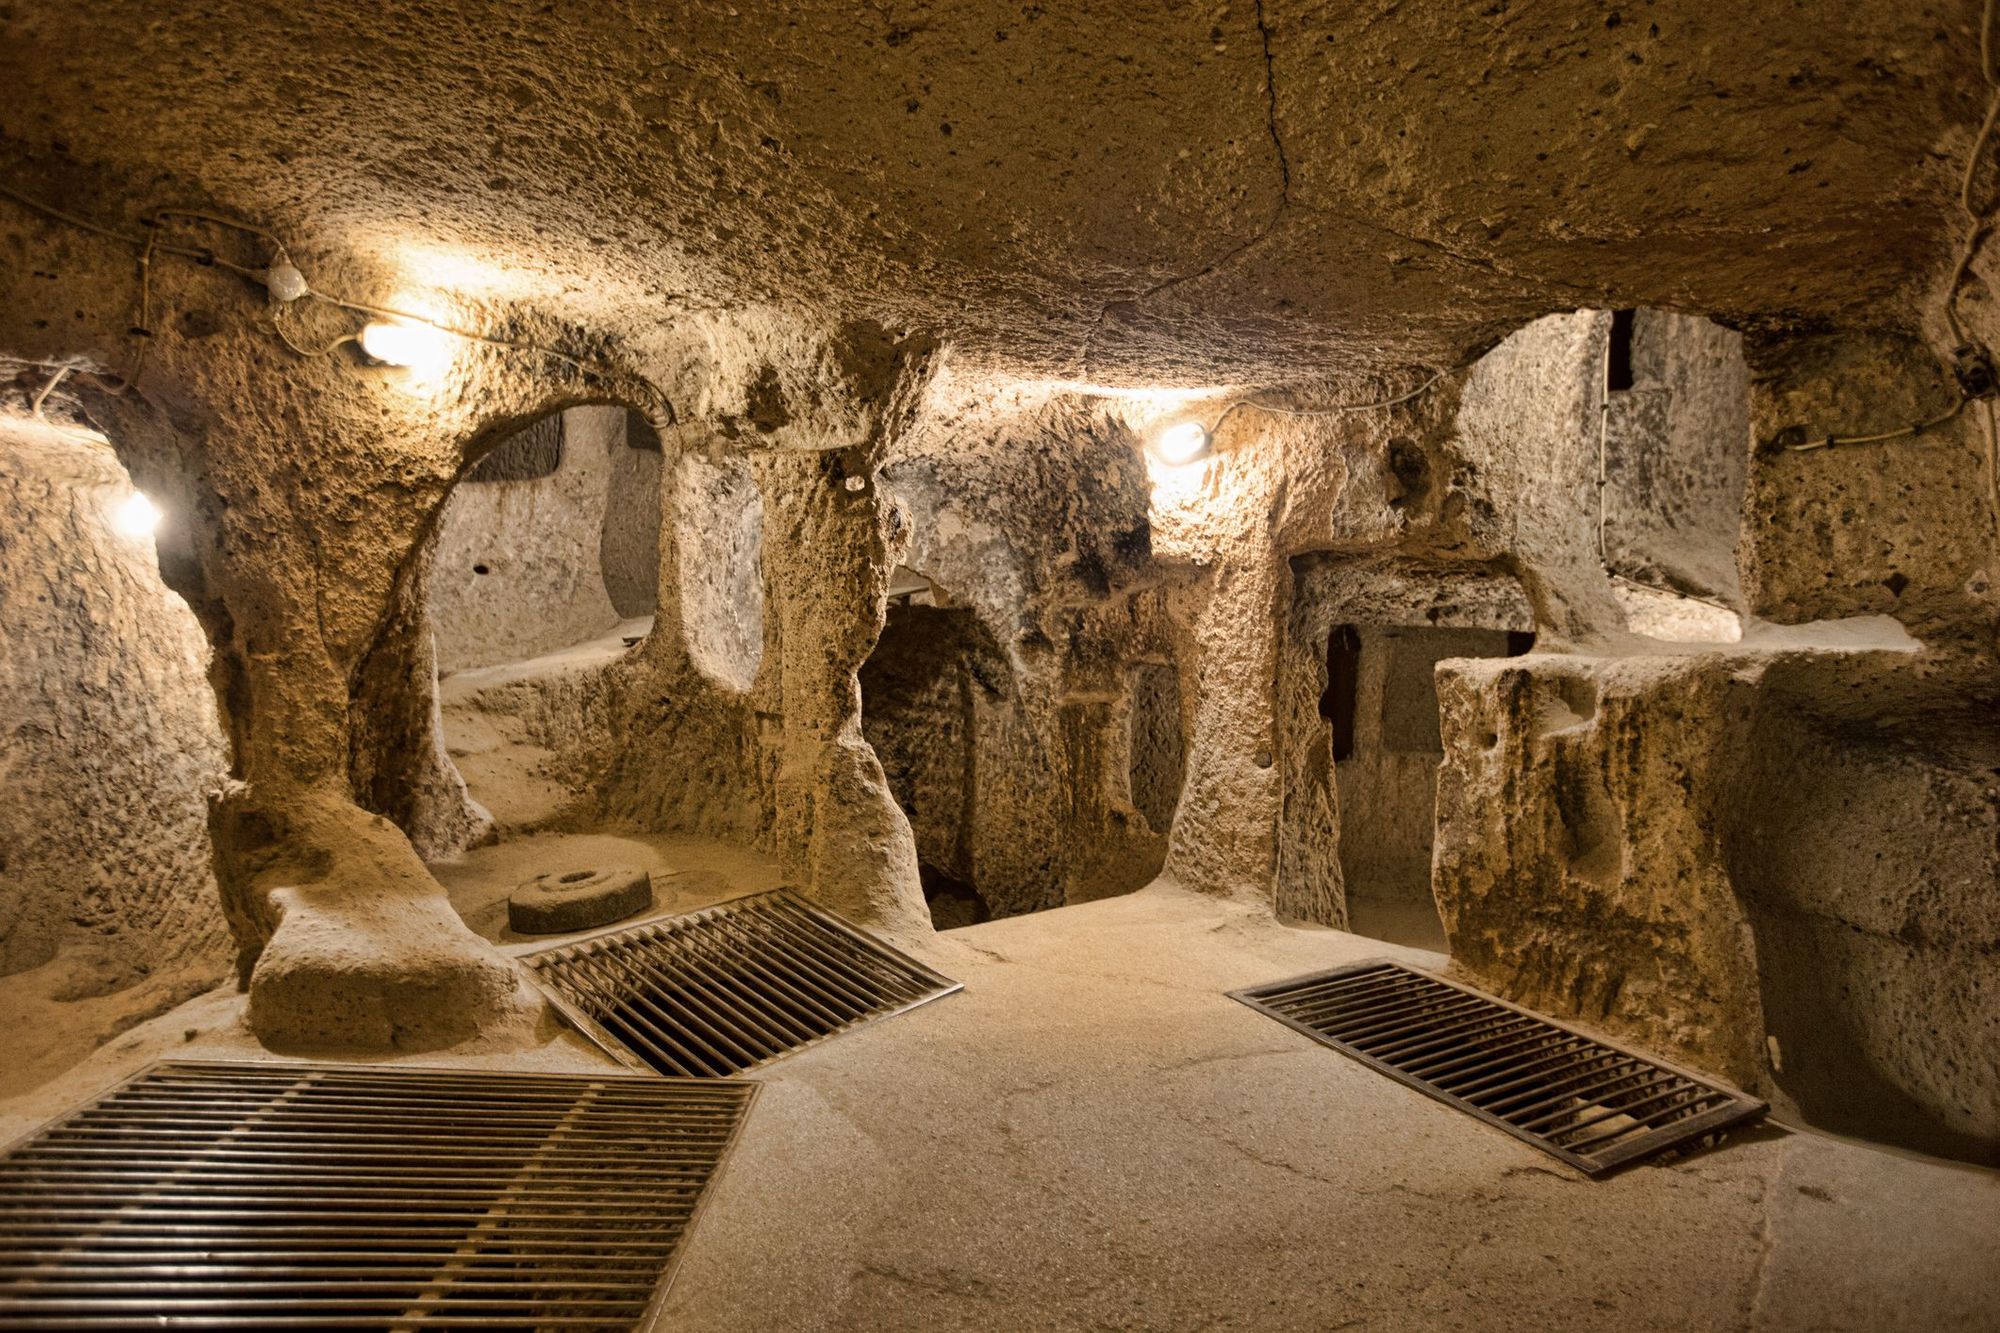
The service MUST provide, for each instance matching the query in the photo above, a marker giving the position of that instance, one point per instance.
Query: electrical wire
(1980, 222)
(199, 254)
(143, 330)
(1914, 428)
(150, 243)
(363, 308)
(42, 395)
(1979, 226)
(38, 399)
(1340, 409)
(234, 224)
(578, 364)
(309, 353)
(1992, 455)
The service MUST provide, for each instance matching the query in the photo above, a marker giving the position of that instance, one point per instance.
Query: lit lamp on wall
(1180, 443)
(136, 516)
(423, 348)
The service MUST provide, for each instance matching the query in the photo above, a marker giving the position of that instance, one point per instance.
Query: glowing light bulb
(136, 516)
(425, 350)
(1182, 442)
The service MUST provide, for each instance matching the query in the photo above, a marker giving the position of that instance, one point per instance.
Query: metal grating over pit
(730, 987)
(1592, 1104)
(261, 1196)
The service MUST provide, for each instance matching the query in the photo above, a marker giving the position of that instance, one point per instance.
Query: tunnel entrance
(933, 697)
(1674, 457)
(551, 541)
(546, 558)
(1381, 709)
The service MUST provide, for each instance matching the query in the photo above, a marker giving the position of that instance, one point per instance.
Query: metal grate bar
(216, 1195)
(1592, 1104)
(729, 988)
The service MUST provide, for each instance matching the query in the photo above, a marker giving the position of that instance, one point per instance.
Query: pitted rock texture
(1675, 461)
(1569, 811)
(108, 905)
(1866, 859)
(113, 741)
(1119, 196)
(718, 518)
(1696, 853)
(908, 292)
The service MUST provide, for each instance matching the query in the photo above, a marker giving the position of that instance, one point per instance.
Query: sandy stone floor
(1091, 1136)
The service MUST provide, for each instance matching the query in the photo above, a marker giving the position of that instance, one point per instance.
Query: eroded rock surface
(1502, 323)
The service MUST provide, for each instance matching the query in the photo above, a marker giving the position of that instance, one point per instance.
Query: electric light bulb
(284, 281)
(1182, 442)
(136, 516)
(425, 350)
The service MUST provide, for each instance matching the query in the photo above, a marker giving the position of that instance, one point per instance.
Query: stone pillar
(399, 766)
(305, 491)
(842, 839)
(345, 938)
(1225, 834)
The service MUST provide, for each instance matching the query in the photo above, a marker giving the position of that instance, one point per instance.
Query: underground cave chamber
(755, 691)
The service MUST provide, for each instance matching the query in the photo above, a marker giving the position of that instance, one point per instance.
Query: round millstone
(578, 899)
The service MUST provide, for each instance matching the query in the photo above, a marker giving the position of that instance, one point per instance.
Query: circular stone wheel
(578, 899)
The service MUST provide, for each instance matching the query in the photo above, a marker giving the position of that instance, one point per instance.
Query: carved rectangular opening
(1383, 688)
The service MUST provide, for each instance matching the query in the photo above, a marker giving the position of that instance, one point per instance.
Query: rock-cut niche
(936, 703)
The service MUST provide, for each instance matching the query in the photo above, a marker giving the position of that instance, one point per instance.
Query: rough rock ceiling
(1120, 193)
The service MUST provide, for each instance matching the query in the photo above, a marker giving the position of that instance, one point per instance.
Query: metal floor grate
(1594, 1105)
(730, 987)
(265, 1196)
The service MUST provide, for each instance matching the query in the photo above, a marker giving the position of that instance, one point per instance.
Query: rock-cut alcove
(718, 519)
(1381, 708)
(1675, 462)
(545, 560)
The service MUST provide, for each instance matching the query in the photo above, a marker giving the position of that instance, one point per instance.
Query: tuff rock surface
(901, 296)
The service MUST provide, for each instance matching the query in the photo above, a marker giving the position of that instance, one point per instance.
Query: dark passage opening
(1156, 756)
(1381, 707)
(952, 901)
(922, 692)
(1618, 366)
(1343, 666)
